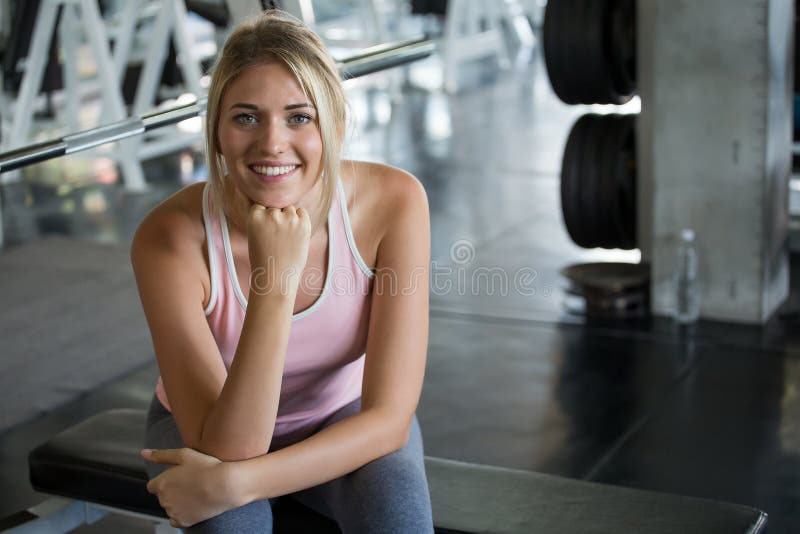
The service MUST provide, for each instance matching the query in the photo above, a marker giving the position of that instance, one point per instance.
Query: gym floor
(710, 411)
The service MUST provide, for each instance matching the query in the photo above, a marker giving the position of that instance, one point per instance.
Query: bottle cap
(687, 234)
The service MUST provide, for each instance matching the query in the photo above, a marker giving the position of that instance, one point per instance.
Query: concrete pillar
(714, 148)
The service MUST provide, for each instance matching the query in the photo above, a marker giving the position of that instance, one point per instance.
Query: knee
(394, 467)
(389, 495)
(255, 517)
(389, 486)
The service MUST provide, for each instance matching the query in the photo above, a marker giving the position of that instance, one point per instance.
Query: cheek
(312, 148)
(231, 141)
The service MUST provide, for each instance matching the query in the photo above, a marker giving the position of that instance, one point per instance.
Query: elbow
(391, 429)
(231, 450)
(233, 453)
(397, 435)
(236, 454)
(400, 442)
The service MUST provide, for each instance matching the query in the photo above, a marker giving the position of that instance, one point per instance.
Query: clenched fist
(278, 241)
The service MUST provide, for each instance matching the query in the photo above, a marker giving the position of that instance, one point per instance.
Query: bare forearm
(241, 423)
(331, 453)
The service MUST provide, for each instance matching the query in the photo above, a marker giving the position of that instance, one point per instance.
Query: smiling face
(270, 138)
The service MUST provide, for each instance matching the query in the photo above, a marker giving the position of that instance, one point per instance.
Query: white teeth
(273, 171)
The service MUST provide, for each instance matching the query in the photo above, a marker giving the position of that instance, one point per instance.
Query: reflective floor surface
(710, 411)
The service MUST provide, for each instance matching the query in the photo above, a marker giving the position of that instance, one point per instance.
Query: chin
(261, 197)
(278, 205)
(273, 201)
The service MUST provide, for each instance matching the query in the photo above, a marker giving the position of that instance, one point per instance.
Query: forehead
(268, 82)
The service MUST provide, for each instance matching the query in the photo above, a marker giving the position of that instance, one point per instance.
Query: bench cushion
(98, 461)
(504, 501)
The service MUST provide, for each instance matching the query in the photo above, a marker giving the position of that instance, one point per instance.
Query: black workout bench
(94, 468)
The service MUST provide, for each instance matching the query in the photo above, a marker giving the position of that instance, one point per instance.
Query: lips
(273, 174)
(273, 170)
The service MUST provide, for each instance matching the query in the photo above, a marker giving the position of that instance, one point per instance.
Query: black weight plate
(557, 43)
(569, 169)
(586, 182)
(605, 125)
(570, 179)
(589, 58)
(626, 183)
(613, 140)
(589, 182)
(587, 127)
(621, 46)
(608, 209)
(623, 171)
(577, 51)
(551, 45)
(592, 60)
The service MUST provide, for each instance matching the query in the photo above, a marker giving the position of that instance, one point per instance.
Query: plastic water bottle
(687, 292)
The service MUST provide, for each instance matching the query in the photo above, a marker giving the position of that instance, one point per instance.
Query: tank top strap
(214, 245)
(347, 246)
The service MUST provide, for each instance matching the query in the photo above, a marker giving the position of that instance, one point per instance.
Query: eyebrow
(287, 108)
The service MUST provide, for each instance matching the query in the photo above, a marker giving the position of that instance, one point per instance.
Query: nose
(274, 139)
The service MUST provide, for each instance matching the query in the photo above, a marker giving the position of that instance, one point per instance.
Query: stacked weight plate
(598, 182)
(610, 290)
(589, 50)
(590, 54)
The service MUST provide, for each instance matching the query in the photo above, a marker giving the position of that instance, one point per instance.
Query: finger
(162, 456)
(256, 207)
(304, 217)
(173, 523)
(152, 486)
(290, 209)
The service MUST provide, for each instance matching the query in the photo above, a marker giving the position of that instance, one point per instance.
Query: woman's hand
(196, 488)
(278, 241)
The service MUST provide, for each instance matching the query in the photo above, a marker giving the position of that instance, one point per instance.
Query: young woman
(287, 300)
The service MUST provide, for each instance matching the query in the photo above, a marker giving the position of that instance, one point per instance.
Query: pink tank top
(324, 363)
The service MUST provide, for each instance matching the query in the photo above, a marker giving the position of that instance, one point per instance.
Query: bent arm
(242, 420)
(394, 370)
(227, 414)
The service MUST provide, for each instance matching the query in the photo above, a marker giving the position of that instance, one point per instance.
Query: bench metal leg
(58, 515)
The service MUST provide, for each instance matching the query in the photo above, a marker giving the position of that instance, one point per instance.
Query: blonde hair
(274, 36)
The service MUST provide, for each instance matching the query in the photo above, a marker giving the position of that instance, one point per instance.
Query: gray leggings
(388, 495)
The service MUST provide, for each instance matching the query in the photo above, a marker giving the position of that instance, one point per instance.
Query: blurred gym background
(613, 206)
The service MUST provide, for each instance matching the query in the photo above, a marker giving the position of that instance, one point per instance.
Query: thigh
(387, 495)
(161, 432)
(253, 518)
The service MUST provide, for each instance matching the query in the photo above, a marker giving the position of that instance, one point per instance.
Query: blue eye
(300, 118)
(245, 118)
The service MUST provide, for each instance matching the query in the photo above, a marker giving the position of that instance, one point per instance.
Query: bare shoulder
(176, 224)
(389, 214)
(168, 252)
(385, 182)
(384, 193)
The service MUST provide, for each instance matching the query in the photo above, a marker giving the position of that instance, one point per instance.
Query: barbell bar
(368, 61)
